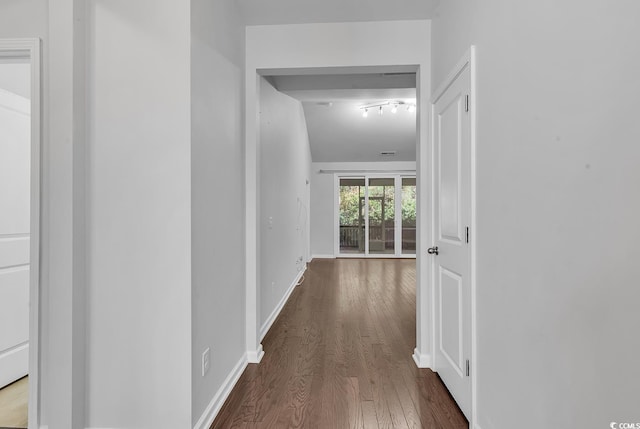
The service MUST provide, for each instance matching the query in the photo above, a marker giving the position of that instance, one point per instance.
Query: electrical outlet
(206, 361)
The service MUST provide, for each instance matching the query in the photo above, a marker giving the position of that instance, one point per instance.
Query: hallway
(339, 356)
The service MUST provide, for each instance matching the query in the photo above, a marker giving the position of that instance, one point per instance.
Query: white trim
(432, 232)
(251, 136)
(212, 410)
(36, 198)
(451, 77)
(276, 311)
(21, 49)
(422, 360)
(255, 356)
(336, 214)
(467, 60)
(307, 232)
(423, 208)
(366, 216)
(323, 257)
(397, 214)
(252, 206)
(473, 241)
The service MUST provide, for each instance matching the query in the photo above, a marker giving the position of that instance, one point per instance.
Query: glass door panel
(382, 215)
(409, 215)
(352, 213)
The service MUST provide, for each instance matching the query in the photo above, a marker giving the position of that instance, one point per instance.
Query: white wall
(139, 215)
(330, 45)
(323, 199)
(217, 162)
(558, 205)
(139, 173)
(23, 18)
(61, 376)
(285, 161)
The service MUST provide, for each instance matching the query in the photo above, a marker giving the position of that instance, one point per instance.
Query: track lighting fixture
(411, 107)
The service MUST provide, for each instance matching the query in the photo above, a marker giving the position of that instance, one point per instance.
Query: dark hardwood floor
(339, 356)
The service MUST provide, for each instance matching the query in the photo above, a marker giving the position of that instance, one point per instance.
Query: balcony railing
(352, 237)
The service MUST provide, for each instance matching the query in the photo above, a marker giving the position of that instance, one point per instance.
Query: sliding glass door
(377, 216)
(408, 208)
(382, 216)
(352, 215)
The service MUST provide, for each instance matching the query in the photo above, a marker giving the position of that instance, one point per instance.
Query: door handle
(432, 250)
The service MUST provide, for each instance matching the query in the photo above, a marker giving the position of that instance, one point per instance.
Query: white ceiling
(337, 130)
(258, 12)
(339, 133)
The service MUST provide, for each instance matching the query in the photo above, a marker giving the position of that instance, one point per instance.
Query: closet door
(15, 177)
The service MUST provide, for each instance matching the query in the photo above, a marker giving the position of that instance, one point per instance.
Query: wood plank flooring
(339, 356)
(13, 404)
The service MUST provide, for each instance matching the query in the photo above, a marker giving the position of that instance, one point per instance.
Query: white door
(15, 150)
(451, 252)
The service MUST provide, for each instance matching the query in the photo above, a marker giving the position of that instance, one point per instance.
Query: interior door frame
(264, 64)
(468, 60)
(397, 178)
(30, 49)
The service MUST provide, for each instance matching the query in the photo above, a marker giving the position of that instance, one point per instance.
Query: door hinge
(466, 103)
(467, 367)
(467, 237)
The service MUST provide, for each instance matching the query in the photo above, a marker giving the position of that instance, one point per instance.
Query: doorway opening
(19, 231)
(356, 147)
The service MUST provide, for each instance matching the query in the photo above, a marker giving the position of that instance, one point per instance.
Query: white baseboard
(323, 257)
(274, 314)
(422, 360)
(255, 356)
(212, 410)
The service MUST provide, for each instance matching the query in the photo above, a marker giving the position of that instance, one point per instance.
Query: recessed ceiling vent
(388, 153)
